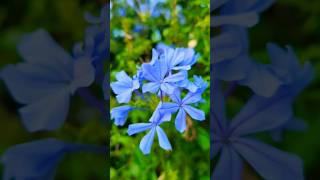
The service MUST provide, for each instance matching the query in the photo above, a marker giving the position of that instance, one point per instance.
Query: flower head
(183, 107)
(156, 119)
(120, 114)
(159, 78)
(124, 86)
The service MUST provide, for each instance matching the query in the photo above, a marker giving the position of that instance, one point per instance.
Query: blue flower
(187, 84)
(176, 58)
(146, 7)
(39, 159)
(124, 86)
(146, 142)
(44, 82)
(260, 114)
(234, 64)
(159, 77)
(184, 108)
(200, 83)
(120, 114)
(286, 66)
(96, 44)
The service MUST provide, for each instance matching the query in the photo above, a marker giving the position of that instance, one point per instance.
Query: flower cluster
(269, 109)
(166, 77)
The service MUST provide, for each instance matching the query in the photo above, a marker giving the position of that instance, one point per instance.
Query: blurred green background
(188, 26)
(64, 21)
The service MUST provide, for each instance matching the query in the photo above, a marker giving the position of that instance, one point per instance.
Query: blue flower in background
(183, 107)
(39, 159)
(120, 114)
(44, 82)
(124, 86)
(156, 119)
(200, 83)
(260, 114)
(159, 78)
(233, 63)
(146, 6)
(96, 44)
(175, 58)
(286, 66)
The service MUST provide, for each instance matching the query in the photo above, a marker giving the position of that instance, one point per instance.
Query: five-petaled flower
(124, 87)
(156, 119)
(184, 108)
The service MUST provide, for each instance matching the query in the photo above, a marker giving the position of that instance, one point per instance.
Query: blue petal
(139, 127)
(168, 88)
(120, 114)
(175, 96)
(150, 72)
(261, 114)
(155, 57)
(261, 80)
(175, 77)
(83, 74)
(269, 162)
(39, 47)
(120, 87)
(27, 82)
(152, 87)
(169, 107)
(196, 114)
(187, 67)
(48, 113)
(163, 139)
(33, 160)
(146, 142)
(218, 120)
(229, 166)
(180, 121)
(191, 98)
(226, 46)
(124, 97)
(122, 76)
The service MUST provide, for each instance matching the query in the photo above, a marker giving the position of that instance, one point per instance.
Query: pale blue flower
(45, 81)
(156, 119)
(124, 86)
(159, 77)
(120, 114)
(183, 107)
(146, 6)
(260, 114)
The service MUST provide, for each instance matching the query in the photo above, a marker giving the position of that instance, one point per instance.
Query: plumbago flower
(146, 6)
(183, 106)
(231, 49)
(45, 81)
(260, 114)
(156, 119)
(124, 87)
(164, 76)
(269, 110)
